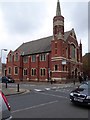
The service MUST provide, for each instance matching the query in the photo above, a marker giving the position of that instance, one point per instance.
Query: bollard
(18, 87)
(6, 84)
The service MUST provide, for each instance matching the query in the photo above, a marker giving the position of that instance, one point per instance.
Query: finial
(80, 41)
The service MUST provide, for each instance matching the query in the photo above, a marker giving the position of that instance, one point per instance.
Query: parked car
(7, 80)
(81, 94)
(5, 113)
(11, 79)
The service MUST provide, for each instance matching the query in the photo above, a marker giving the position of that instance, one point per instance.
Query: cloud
(20, 18)
(76, 16)
(26, 20)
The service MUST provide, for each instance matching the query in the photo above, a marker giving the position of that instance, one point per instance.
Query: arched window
(55, 30)
(66, 52)
(73, 49)
(10, 58)
(9, 70)
(16, 57)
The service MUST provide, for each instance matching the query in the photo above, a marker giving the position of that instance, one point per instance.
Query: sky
(26, 20)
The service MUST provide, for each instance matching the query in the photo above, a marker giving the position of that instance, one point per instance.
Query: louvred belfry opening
(58, 23)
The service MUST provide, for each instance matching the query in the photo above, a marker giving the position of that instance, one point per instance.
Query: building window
(33, 71)
(55, 51)
(25, 59)
(56, 67)
(16, 71)
(55, 30)
(66, 52)
(55, 48)
(42, 57)
(72, 51)
(63, 67)
(16, 57)
(25, 72)
(10, 58)
(66, 68)
(42, 71)
(9, 70)
(33, 58)
(63, 52)
(55, 44)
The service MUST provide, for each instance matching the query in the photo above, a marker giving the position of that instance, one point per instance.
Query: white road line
(47, 88)
(28, 85)
(52, 95)
(32, 85)
(38, 90)
(53, 88)
(36, 106)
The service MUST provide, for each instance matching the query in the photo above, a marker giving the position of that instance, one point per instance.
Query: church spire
(58, 9)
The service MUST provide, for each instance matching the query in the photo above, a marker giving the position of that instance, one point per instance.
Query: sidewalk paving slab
(12, 91)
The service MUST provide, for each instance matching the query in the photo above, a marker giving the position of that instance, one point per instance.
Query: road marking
(47, 88)
(32, 85)
(52, 95)
(35, 106)
(28, 85)
(63, 90)
(54, 88)
(38, 90)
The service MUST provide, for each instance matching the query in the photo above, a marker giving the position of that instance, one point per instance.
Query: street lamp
(1, 53)
(1, 61)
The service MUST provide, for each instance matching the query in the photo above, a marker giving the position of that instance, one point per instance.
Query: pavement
(13, 91)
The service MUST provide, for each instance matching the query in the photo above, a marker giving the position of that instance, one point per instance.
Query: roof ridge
(38, 39)
(41, 38)
(68, 31)
(38, 45)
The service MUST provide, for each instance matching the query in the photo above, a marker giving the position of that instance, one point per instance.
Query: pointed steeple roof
(58, 9)
(80, 41)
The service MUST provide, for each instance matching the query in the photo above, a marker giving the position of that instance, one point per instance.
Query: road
(45, 101)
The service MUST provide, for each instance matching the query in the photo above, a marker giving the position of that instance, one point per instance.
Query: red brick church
(57, 57)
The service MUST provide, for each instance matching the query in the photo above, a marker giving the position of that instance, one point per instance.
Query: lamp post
(1, 53)
(1, 61)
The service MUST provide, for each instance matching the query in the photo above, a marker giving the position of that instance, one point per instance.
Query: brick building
(86, 64)
(57, 57)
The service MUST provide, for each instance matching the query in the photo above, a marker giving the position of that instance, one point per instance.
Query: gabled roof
(66, 35)
(38, 46)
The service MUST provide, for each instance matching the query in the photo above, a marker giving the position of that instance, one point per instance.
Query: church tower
(58, 23)
(58, 47)
(58, 33)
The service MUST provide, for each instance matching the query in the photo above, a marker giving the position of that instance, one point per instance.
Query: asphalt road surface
(44, 102)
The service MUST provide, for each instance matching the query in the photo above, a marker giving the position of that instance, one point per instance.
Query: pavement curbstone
(13, 91)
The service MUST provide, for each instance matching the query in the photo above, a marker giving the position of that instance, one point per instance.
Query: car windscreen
(85, 86)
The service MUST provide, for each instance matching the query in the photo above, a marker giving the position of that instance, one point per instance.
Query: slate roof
(39, 46)
(36, 46)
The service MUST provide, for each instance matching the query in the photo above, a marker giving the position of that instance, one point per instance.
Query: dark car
(11, 79)
(81, 94)
(7, 80)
